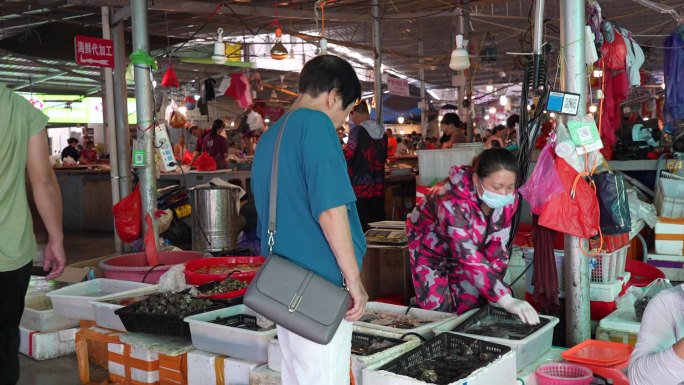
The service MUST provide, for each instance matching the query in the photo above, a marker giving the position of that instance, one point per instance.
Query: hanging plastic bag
(170, 79)
(544, 182)
(649, 292)
(173, 280)
(205, 162)
(178, 119)
(613, 204)
(576, 214)
(127, 217)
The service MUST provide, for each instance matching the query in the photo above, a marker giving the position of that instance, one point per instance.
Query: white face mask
(494, 200)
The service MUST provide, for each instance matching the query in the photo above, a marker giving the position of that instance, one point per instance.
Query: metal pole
(375, 11)
(537, 42)
(423, 100)
(578, 327)
(461, 89)
(123, 138)
(144, 110)
(111, 127)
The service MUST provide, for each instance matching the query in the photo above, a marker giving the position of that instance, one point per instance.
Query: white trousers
(308, 363)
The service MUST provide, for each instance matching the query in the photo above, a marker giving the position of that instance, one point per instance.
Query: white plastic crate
(526, 350)
(229, 341)
(74, 301)
(425, 330)
(39, 315)
(607, 292)
(669, 195)
(435, 164)
(104, 312)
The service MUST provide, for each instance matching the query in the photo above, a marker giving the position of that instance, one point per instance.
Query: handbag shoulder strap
(273, 197)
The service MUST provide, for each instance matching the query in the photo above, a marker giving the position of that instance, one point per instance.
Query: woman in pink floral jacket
(458, 236)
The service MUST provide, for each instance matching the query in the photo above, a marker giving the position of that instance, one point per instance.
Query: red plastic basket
(563, 374)
(642, 273)
(229, 264)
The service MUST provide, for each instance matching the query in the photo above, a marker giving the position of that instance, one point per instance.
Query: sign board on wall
(396, 86)
(73, 108)
(93, 51)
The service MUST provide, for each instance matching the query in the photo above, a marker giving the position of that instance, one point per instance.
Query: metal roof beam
(55, 66)
(242, 10)
(122, 14)
(39, 80)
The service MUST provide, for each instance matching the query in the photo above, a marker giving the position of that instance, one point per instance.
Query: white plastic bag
(173, 280)
(637, 298)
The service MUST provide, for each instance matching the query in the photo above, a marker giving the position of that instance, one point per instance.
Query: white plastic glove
(520, 308)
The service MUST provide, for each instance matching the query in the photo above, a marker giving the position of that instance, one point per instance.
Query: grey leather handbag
(292, 296)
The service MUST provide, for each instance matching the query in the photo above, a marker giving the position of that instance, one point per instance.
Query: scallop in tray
(402, 320)
(367, 345)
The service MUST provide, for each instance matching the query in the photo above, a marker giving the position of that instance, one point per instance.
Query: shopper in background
(198, 133)
(317, 223)
(216, 145)
(496, 140)
(366, 154)
(458, 236)
(391, 144)
(402, 149)
(23, 152)
(511, 136)
(71, 150)
(88, 154)
(453, 131)
(658, 357)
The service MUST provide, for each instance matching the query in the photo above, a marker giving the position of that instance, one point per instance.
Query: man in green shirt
(23, 151)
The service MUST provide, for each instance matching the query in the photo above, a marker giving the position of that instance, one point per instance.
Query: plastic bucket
(134, 267)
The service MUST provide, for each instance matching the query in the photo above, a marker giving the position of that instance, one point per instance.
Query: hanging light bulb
(439, 118)
(552, 115)
(219, 56)
(486, 117)
(662, 85)
(400, 119)
(490, 88)
(267, 120)
(597, 73)
(197, 97)
(323, 47)
(279, 52)
(503, 100)
(592, 108)
(459, 56)
(232, 124)
(182, 110)
(492, 110)
(529, 108)
(645, 118)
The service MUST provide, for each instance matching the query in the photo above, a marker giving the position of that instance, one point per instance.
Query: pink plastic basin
(133, 267)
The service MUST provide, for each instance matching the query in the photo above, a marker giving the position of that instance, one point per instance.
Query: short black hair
(72, 140)
(325, 73)
(493, 160)
(512, 120)
(451, 118)
(361, 108)
(498, 128)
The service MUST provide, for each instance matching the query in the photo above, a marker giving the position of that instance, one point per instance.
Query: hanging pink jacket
(449, 226)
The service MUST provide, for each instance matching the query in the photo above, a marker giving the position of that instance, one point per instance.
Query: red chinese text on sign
(92, 51)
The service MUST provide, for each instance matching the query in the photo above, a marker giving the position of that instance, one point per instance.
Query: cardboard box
(669, 236)
(43, 346)
(206, 368)
(84, 270)
(262, 375)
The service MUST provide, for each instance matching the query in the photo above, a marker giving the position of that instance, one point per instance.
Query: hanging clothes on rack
(635, 57)
(673, 111)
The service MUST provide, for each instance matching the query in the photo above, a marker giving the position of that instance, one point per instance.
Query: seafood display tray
(448, 359)
(163, 324)
(529, 342)
(367, 345)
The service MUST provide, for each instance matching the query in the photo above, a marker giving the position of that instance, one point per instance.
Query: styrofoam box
(607, 292)
(436, 163)
(202, 369)
(104, 312)
(43, 320)
(502, 371)
(526, 350)
(43, 346)
(623, 320)
(425, 330)
(138, 353)
(229, 341)
(262, 375)
(669, 236)
(671, 265)
(74, 300)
